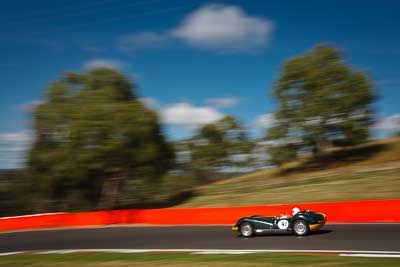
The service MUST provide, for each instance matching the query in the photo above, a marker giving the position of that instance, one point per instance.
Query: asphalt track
(365, 237)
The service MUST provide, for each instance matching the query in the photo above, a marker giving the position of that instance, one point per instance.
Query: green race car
(301, 223)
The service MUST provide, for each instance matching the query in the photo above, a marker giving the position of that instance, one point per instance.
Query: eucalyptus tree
(95, 143)
(322, 101)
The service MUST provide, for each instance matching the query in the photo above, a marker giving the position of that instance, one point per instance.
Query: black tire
(300, 228)
(246, 229)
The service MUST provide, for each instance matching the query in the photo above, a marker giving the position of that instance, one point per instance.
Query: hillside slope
(370, 171)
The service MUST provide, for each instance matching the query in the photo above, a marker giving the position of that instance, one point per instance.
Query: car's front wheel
(246, 229)
(300, 228)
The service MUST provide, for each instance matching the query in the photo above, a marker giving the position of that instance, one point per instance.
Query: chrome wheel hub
(300, 228)
(246, 230)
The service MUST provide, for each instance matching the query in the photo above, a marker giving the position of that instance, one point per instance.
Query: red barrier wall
(351, 211)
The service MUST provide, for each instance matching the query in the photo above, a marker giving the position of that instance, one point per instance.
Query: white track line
(211, 251)
(31, 215)
(371, 255)
(220, 252)
(155, 225)
(10, 253)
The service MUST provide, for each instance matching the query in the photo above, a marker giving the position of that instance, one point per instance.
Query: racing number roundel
(283, 224)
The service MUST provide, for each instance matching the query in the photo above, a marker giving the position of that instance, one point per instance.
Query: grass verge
(186, 259)
(371, 171)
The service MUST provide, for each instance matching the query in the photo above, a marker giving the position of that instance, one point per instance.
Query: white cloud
(134, 41)
(151, 102)
(218, 27)
(389, 124)
(28, 107)
(13, 148)
(264, 121)
(224, 28)
(15, 137)
(105, 63)
(187, 115)
(224, 102)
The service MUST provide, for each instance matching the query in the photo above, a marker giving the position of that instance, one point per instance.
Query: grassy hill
(369, 171)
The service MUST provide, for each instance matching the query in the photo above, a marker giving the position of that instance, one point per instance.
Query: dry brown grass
(370, 171)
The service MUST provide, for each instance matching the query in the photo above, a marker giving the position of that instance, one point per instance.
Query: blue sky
(194, 60)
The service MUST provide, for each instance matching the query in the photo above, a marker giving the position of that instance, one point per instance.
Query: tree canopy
(322, 101)
(95, 142)
(214, 145)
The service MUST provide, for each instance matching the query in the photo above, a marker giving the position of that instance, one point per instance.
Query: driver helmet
(295, 210)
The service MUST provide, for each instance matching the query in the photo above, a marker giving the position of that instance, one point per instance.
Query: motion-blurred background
(137, 104)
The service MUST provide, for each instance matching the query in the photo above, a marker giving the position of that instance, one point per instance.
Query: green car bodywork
(312, 221)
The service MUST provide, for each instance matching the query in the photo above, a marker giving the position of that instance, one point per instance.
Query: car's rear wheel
(300, 228)
(246, 229)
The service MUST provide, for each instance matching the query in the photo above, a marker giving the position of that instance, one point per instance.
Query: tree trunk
(109, 193)
(321, 145)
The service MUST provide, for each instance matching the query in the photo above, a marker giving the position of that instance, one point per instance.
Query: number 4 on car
(300, 223)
